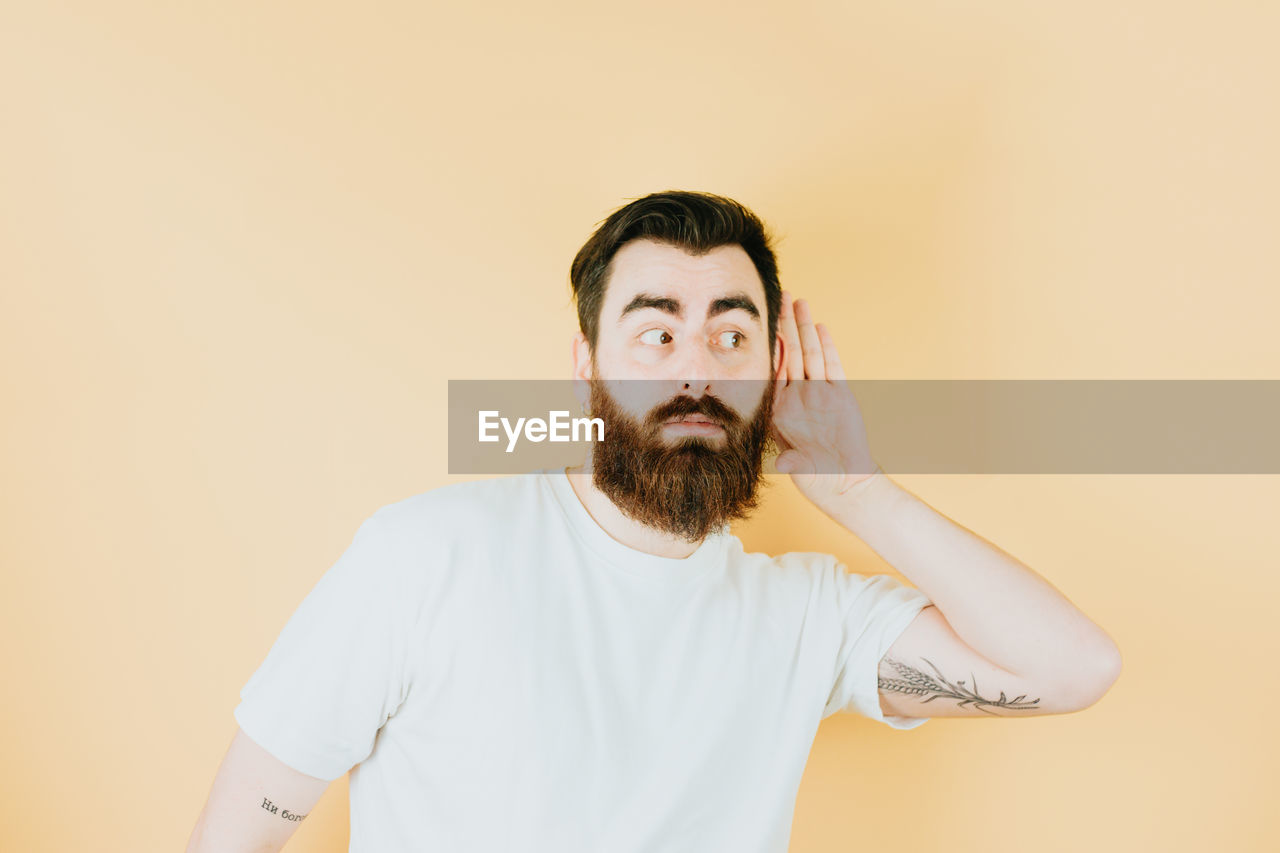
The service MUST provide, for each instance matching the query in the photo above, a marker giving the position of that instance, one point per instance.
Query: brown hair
(696, 222)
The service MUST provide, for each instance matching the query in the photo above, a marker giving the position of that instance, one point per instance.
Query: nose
(696, 368)
(696, 387)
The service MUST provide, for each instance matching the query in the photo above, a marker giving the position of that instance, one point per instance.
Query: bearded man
(586, 659)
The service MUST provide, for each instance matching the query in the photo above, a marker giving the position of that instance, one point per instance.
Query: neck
(623, 529)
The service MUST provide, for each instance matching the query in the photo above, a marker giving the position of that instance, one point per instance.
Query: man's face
(683, 379)
(691, 325)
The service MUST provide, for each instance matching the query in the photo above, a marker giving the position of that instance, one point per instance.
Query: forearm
(1000, 607)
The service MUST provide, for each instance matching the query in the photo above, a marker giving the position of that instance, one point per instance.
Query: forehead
(662, 270)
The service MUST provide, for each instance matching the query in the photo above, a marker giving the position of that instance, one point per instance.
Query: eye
(655, 337)
(732, 340)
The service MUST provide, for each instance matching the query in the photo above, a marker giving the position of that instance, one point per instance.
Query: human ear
(581, 355)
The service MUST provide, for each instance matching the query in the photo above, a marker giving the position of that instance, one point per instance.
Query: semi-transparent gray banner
(918, 426)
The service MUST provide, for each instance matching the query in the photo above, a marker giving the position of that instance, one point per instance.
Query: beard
(688, 487)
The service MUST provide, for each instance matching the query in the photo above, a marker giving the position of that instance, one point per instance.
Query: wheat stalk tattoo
(913, 682)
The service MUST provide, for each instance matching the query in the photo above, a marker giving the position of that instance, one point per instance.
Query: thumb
(788, 462)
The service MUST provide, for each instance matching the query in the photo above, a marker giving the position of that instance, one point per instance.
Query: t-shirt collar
(709, 554)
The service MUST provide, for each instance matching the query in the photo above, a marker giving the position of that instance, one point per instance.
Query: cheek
(624, 361)
(643, 356)
(636, 396)
(748, 396)
(746, 391)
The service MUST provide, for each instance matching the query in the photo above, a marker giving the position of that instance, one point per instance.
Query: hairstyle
(696, 222)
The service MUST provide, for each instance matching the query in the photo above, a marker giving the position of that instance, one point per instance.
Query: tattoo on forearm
(913, 682)
(274, 809)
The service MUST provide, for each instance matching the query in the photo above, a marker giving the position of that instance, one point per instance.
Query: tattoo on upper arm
(274, 809)
(914, 682)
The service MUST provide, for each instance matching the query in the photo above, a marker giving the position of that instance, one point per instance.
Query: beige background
(244, 245)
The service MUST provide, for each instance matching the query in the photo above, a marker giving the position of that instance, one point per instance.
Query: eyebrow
(735, 301)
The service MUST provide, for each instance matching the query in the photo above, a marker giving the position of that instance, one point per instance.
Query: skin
(691, 354)
(1004, 626)
(1004, 623)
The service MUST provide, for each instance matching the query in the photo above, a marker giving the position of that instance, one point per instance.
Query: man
(586, 659)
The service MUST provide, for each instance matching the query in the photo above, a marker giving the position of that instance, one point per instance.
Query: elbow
(1102, 676)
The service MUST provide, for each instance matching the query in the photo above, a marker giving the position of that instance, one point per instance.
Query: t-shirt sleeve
(337, 670)
(873, 611)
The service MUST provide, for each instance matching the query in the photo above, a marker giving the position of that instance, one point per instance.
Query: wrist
(855, 506)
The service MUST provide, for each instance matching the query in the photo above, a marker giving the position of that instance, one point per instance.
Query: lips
(693, 419)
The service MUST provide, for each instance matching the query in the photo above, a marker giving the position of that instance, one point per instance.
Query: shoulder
(798, 569)
(411, 546)
(791, 563)
(457, 509)
(807, 573)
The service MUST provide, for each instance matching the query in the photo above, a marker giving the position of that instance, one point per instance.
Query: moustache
(684, 406)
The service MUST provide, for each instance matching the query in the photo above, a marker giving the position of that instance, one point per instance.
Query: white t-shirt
(499, 674)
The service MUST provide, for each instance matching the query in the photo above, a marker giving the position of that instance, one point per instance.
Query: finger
(791, 335)
(786, 461)
(793, 462)
(814, 367)
(835, 370)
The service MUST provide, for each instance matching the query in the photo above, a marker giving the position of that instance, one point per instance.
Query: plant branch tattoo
(914, 682)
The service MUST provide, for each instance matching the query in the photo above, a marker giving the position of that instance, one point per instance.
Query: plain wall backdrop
(243, 247)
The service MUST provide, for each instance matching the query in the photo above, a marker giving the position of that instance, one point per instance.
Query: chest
(571, 666)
